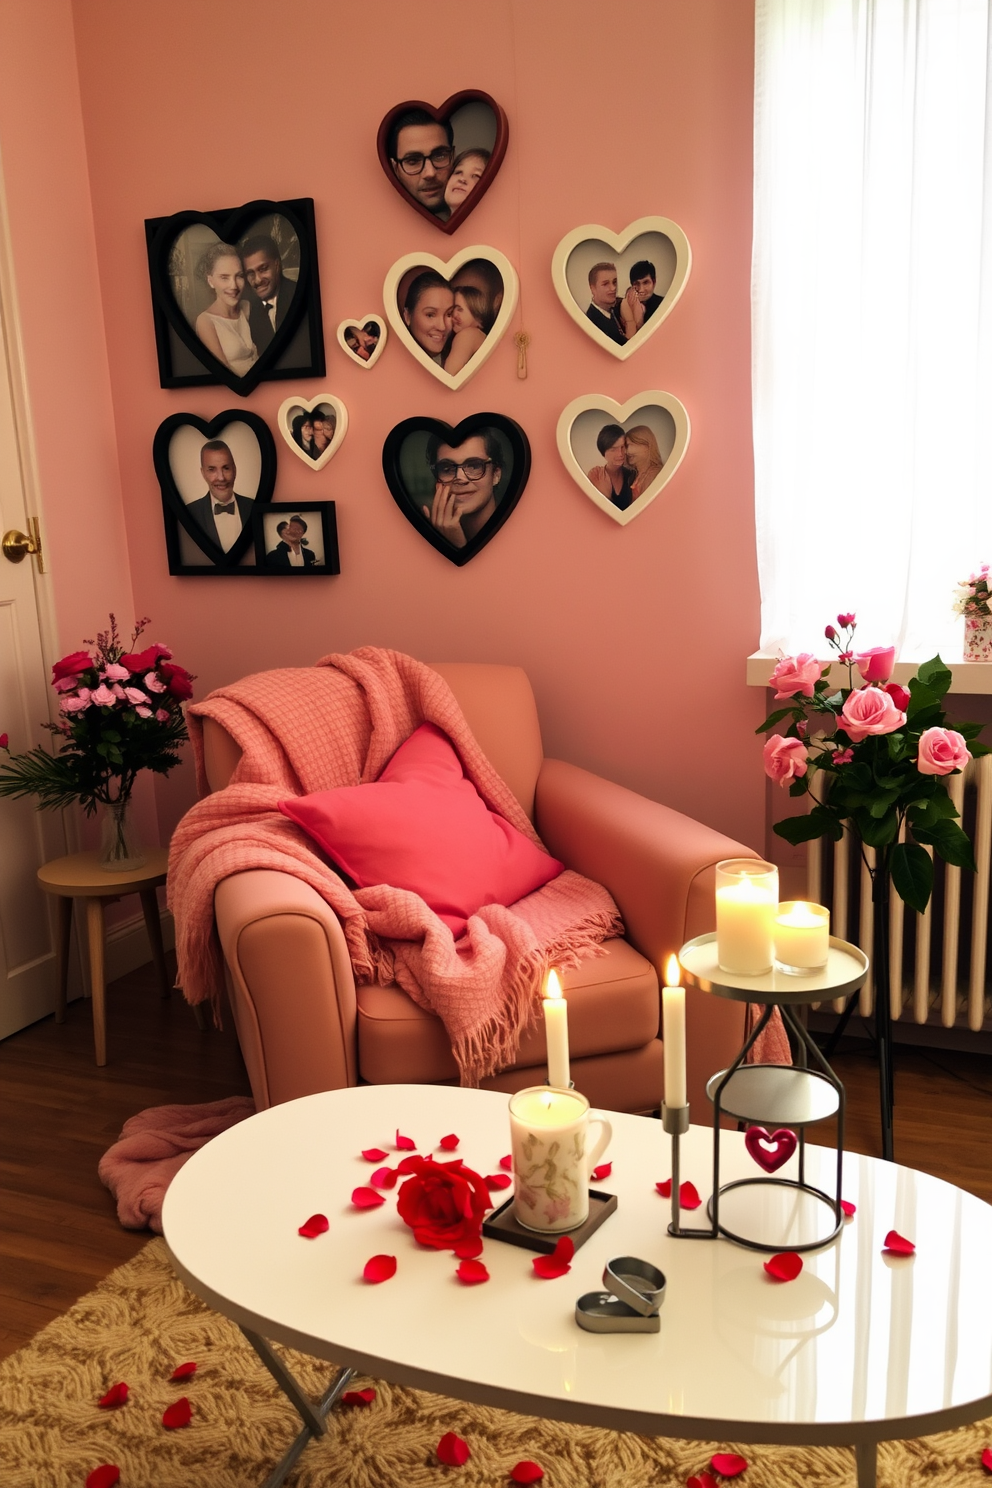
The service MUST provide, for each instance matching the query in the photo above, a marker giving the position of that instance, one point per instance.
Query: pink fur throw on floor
(338, 723)
(153, 1147)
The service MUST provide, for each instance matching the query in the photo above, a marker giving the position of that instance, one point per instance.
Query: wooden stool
(80, 876)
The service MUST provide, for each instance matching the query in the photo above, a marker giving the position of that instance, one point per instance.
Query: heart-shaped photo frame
(620, 287)
(457, 485)
(363, 340)
(451, 315)
(621, 455)
(235, 288)
(204, 466)
(314, 428)
(442, 161)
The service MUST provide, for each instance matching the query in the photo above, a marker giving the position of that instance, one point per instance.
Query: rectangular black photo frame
(284, 511)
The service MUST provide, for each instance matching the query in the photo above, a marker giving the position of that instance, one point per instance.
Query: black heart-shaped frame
(442, 115)
(455, 435)
(176, 508)
(228, 227)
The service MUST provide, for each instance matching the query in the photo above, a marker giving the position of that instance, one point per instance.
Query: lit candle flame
(552, 987)
(546, 1098)
(672, 970)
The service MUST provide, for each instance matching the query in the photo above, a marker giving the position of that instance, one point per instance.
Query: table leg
(62, 951)
(311, 1415)
(866, 1456)
(94, 927)
(153, 924)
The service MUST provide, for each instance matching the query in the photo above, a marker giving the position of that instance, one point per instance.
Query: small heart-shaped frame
(291, 409)
(361, 326)
(584, 417)
(496, 135)
(579, 250)
(422, 261)
(770, 1151)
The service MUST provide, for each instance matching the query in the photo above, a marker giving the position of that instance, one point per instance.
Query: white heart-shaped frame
(447, 270)
(619, 243)
(310, 405)
(359, 324)
(622, 413)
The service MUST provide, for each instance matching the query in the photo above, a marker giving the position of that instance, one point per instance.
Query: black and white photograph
(213, 477)
(443, 160)
(297, 538)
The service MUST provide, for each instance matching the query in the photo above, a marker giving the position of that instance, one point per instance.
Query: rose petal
(449, 1143)
(849, 1210)
(104, 1476)
(384, 1178)
(785, 1266)
(452, 1451)
(728, 1464)
(688, 1193)
(316, 1225)
(548, 1267)
(178, 1414)
(526, 1472)
(366, 1198)
(987, 1459)
(603, 1171)
(380, 1268)
(498, 1180)
(116, 1395)
(472, 1272)
(405, 1144)
(565, 1249)
(374, 1154)
(665, 1188)
(896, 1244)
(507, 1162)
(467, 1250)
(702, 1480)
(182, 1371)
(357, 1397)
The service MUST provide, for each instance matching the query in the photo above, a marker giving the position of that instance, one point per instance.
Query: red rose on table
(443, 1203)
(71, 666)
(178, 681)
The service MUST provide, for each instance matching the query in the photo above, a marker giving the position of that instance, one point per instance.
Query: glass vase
(978, 638)
(119, 850)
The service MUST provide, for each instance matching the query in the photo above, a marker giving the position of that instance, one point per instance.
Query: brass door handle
(16, 545)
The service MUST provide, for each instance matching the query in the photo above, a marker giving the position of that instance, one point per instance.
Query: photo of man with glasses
(420, 152)
(466, 478)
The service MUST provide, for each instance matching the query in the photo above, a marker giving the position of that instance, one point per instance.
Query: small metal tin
(601, 1312)
(636, 1283)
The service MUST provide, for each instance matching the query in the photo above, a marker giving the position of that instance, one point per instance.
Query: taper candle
(673, 1034)
(556, 1032)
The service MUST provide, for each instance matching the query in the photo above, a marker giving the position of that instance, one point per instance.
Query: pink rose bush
(873, 757)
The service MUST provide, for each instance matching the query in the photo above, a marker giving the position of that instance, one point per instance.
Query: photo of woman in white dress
(223, 325)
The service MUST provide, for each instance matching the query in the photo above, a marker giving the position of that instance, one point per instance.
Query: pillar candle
(746, 904)
(556, 1032)
(673, 1034)
(802, 935)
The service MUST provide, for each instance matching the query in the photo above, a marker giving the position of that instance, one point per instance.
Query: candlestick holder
(675, 1121)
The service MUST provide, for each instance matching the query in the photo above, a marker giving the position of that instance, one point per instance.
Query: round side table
(79, 876)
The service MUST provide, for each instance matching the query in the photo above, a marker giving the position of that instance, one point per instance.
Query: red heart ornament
(785, 1266)
(444, 115)
(728, 1464)
(782, 1143)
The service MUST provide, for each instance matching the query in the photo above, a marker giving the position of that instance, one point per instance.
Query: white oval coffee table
(860, 1348)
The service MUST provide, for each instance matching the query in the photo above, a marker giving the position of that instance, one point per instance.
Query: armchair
(304, 1026)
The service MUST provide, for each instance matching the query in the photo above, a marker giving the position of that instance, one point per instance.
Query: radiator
(939, 960)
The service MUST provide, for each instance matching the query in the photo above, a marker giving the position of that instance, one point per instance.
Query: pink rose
(899, 695)
(143, 712)
(162, 714)
(845, 620)
(76, 704)
(66, 684)
(4, 740)
(870, 711)
(830, 633)
(135, 695)
(795, 674)
(103, 696)
(153, 682)
(114, 673)
(876, 664)
(785, 759)
(942, 751)
(842, 757)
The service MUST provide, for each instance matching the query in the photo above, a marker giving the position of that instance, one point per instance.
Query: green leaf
(912, 875)
(773, 719)
(935, 675)
(797, 829)
(877, 833)
(977, 750)
(953, 844)
(883, 803)
(940, 807)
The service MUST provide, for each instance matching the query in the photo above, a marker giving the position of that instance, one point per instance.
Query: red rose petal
(498, 1180)
(688, 1193)
(380, 1268)
(785, 1266)
(728, 1464)
(565, 1249)
(404, 1144)
(178, 1414)
(507, 1162)
(896, 1244)
(366, 1198)
(452, 1451)
(603, 1171)
(104, 1476)
(702, 1480)
(384, 1178)
(987, 1459)
(449, 1143)
(182, 1371)
(316, 1225)
(471, 1273)
(357, 1397)
(116, 1395)
(527, 1472)
(665, 1188)
(849, 1209)
(548, 1267)
(374, 1154)
(467, 1250)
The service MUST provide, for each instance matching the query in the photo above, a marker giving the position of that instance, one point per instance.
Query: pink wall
(634, 637)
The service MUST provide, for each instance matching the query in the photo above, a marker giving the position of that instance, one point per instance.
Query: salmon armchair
(304, 1026)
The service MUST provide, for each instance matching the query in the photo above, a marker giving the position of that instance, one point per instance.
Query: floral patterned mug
(552, 1162)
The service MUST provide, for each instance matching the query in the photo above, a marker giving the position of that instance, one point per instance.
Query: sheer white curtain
(872, 316)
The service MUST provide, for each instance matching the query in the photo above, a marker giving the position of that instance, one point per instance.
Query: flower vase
(978, 638)
(119, 850)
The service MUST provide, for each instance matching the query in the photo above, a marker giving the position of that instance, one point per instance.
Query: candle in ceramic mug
(673, 1034)
(549, 1135)
(802, 937)
(746, 902)
(556, 1032)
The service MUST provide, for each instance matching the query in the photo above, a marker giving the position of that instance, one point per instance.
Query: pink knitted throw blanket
(336, 724)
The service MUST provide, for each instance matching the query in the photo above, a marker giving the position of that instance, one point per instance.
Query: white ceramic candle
(673, 1034)
(746, 902)
(549, 1137)
(556, 1032)
(802, 937)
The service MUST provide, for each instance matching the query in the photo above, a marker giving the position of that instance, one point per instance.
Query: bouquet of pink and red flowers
(880, 762)
(120, 712)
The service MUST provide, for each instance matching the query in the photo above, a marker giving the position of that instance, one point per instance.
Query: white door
(27, 837)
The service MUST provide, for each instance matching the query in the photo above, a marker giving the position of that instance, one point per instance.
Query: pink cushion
(423, 826)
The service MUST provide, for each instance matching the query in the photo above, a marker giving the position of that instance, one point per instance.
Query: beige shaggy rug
(140, 1323)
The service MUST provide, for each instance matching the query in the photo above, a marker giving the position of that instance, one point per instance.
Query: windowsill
(973, 678)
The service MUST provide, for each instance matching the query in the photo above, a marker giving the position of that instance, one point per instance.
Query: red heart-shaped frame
(782, 1142)
(442, 115)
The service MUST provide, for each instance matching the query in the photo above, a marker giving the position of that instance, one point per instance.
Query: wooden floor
(59, 1233)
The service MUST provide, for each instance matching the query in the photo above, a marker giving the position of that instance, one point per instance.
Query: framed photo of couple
(236, 296)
